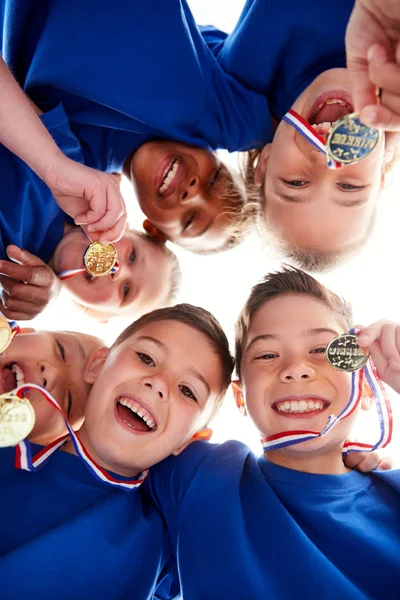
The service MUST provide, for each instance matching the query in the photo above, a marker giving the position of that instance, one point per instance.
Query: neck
(118, 469)
(328, 463)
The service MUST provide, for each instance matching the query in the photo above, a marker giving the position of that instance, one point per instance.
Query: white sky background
(221, 283)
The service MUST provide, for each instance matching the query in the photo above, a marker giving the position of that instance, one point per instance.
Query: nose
(190, 189)
(157, 386)
(297, 371)
(48, 375)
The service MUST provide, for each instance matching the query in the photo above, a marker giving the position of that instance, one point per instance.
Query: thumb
(364, 92)
(23, 257)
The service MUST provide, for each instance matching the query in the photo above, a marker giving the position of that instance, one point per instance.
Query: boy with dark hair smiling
(296, 522)
(157, 386)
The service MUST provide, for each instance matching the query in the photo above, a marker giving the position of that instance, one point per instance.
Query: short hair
(176, 274)
(200, 319)
(289, 280)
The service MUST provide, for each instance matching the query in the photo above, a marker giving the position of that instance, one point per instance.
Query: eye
(132, 256)
(267, 356)
(349, 187)
(187, 392)
(89, 277)
(61, 349)
(69, 403)
(296, 183)
(189, 221)
(125, 290)
(320, 350)
(145, 359)
(215, 178)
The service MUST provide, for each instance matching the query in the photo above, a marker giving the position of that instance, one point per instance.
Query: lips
(13, 375)
(169, 176)
(330, 107)
(303, 406)
(134, 415)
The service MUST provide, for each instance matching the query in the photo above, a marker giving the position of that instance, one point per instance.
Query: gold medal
(99, 260)
(349, 141)
(344, 354)
(17, 419)
(5, 334)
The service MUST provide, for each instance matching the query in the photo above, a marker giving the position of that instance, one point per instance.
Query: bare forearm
(21, 130)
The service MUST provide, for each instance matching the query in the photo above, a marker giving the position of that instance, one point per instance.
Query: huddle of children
(133, 505)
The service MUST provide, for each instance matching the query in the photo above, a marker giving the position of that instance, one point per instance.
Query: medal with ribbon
(25, 460)
(350, 358)
(348, 141)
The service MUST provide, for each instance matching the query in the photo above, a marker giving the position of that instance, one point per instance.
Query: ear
(95, 364)
(261, 167)
(153, 231)
(204, 434)
(367, 398)
(238, 395)
(26, 330)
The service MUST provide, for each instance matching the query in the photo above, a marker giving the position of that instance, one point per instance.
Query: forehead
(173, 335)
(292, 314)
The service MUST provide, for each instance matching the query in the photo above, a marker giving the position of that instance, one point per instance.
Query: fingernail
(369, 115)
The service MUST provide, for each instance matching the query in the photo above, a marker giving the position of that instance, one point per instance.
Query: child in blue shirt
(55, 360)
(160, 382)
(34, 222)
(294, 522)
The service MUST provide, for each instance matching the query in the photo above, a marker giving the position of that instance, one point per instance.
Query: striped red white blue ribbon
(67, 273)
(305, 129)
(25, 460)
(383, 408)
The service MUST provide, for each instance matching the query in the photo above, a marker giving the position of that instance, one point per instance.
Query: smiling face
(288, 384)
(55, 360)
(306, 204)
(150, 395)
(184, 192)
(142, 282)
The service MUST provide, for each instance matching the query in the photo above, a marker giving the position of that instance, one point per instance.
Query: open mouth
(303, 406)
(13, 376)
(168, 176)
(329, 108)
(135, 415)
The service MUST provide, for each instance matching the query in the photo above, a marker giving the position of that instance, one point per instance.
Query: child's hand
(92, 198)
(367, 461)
(383, 342)
(28, 286)
(373, 58)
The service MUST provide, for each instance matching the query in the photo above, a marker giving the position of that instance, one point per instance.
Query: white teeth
(19, 374)
(169, 175)
(299, 406)
(139, 410)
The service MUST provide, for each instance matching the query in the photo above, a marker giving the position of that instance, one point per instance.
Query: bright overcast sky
(221, 283)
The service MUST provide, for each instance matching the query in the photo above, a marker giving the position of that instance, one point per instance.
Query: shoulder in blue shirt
(261, 531)
(66, 535)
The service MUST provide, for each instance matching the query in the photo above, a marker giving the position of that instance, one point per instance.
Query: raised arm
(88, 196)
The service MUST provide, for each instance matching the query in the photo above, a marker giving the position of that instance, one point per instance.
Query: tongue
(331, 113)
(131, 419)
(9, 380)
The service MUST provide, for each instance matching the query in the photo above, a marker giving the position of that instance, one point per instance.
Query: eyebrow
(80, 347)
(308, 333)
(356, 202)
(149, 338)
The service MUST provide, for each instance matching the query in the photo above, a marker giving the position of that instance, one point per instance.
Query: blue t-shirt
(278, 48)
(128, 71)
(29, 215)
(246, 529)
(64, 534)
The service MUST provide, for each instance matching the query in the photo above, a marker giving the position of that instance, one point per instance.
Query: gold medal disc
(350, 141)
(99, 260)
(17, 419)
(344, 354)
(5, 334)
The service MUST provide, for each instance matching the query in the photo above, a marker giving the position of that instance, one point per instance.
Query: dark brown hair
(200, 319)
(288, 281)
